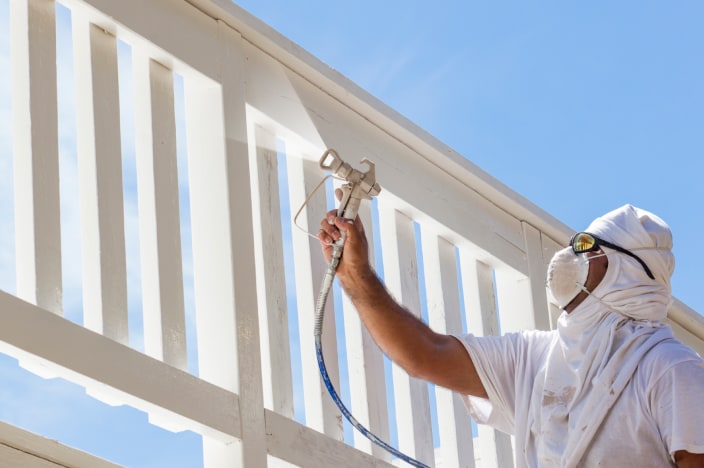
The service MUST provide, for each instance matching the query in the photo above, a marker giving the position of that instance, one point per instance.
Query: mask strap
(611, 308)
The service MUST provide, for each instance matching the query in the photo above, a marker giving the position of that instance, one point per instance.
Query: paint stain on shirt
(560, 398)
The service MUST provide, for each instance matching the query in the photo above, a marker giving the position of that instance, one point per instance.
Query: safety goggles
(583, 242)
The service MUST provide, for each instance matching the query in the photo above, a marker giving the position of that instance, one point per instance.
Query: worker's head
(623, 259)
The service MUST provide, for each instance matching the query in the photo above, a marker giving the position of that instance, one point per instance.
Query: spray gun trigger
(344, 201)
(368, 179)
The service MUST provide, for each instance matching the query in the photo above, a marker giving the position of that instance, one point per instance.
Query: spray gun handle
(349, 204)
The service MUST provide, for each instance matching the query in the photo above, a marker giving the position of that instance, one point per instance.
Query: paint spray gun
(358, 186)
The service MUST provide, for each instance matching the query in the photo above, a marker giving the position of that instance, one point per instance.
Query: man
(610, 387)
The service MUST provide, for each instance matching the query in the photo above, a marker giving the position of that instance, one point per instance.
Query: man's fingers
(323, 236)
(328, 231)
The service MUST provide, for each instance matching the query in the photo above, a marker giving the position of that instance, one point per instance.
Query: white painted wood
(222, 455)
(272, 93)
(243, 257)
(33, 334)
(159, 221)
(271, 278)
(688, 325)
(537, 274)
(479, 296)
(321, 412)
(444, 315)
(11, 457)
(211, 234)
(401, 277)
(523, 299)
(302, 446)
(20, 448)
(549, 247)
(36, 154)
(515, 307)
(100, 172)
(365, 364)
(222, 227)
(492, 446)
(150, 27)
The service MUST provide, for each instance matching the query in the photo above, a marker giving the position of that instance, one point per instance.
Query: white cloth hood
(631, 291)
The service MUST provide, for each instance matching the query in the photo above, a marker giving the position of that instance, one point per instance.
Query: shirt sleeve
(675, 401)
(505, 364)
(494, 359)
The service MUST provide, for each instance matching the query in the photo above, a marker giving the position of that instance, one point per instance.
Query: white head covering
(601, 342)
(633, 293)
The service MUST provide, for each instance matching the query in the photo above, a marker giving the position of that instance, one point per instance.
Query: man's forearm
(401, 335)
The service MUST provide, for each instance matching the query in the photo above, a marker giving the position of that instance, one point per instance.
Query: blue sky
(578, 106)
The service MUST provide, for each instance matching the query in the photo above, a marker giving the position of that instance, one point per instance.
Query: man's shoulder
(674, 351)
(536, 342)
(521, 343)
(667, 355)
(527, 337)
(539, 337)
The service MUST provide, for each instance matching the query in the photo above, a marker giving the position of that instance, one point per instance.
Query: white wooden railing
(258, 112)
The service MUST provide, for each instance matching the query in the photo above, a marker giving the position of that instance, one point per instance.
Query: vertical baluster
(271, 279)
(160, 233)
(401, 277)
(224, 253)
(366, 368)
(100, 174)
(538, 258)
(523, 299)
(444, 315)
(548, 249)
(321, 412)
(493, 447)
(36, 153)
(210, 232)
(213, 279)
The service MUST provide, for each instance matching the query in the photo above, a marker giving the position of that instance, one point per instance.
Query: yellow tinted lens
(583, 242)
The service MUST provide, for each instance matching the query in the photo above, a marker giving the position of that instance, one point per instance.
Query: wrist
(360, 277)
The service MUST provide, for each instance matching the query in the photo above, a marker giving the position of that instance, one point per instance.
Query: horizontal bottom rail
(298, 444)
(22, 448)
(51, 346)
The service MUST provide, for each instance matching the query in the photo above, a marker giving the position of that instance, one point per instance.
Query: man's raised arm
(405, 339)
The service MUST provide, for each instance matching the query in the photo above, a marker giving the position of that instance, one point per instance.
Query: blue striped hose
(319, 314)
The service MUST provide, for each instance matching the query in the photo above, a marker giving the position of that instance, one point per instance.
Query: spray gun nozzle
(331, 161)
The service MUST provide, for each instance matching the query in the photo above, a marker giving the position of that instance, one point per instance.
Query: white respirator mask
(567, 275)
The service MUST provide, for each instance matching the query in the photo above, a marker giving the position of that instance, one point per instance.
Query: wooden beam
(33, 335)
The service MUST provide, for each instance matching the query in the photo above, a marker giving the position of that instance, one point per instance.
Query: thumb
(348, 227)
(345, 224)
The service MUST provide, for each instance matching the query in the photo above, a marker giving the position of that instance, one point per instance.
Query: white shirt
(659, 412)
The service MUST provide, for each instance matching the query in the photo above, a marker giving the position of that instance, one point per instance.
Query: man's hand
(355, 256)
